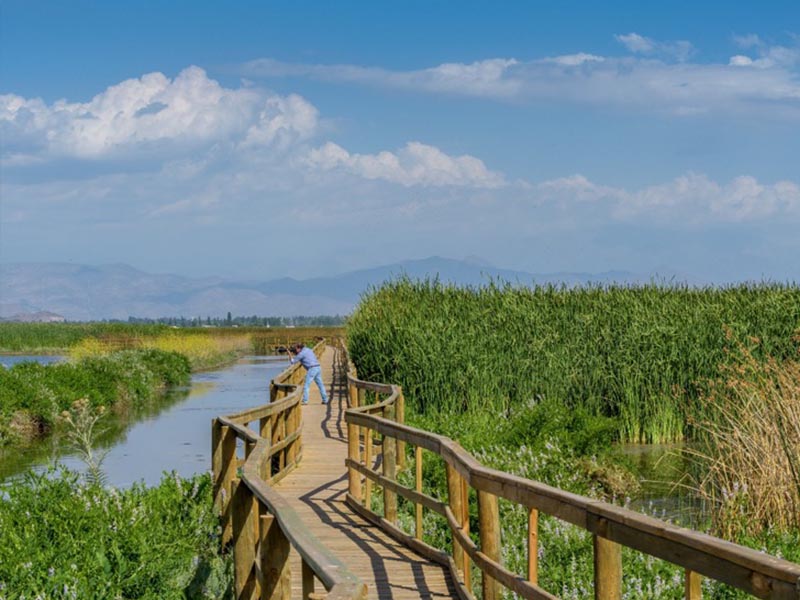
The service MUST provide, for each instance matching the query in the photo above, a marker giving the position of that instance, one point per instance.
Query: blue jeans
(314, 373)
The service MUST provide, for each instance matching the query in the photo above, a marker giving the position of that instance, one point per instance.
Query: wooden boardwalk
(316, 490)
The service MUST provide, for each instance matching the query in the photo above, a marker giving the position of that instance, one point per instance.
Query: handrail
(612, 526)
(256, 519)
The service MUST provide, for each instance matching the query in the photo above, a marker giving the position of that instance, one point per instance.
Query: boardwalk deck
(316, 490)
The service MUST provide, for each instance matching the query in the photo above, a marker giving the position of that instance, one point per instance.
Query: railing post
(418, 488)
(389, 471)
(533, 546)
(354, 454)
(455, 498)
(224, 466)
(694, 590)
(244, 513)
(465, 529)
(607, 569)
(400, 417)
(274, 561)
(293, 421)
(368, 464)
(353, 394)
(308, 581)
(489, 529)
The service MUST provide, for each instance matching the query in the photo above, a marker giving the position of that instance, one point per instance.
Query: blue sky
(256, 140)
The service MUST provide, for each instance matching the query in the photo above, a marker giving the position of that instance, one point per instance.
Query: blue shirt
(306, 357)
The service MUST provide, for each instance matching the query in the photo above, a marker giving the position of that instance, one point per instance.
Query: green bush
(61, 538)
(43, 391)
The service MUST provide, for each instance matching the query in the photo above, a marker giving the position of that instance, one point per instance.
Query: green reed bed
(61, 537)
(33, 395)
(639, 354)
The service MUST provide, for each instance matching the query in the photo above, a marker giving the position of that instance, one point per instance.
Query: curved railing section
(251, 450)
(699, 554)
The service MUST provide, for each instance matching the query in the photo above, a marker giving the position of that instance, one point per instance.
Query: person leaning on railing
(305, 356)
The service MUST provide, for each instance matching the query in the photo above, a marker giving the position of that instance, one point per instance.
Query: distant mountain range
(118, 291)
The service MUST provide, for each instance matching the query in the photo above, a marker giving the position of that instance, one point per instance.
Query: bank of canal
(172, 434)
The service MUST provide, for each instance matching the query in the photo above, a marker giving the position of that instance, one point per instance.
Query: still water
(172, 434)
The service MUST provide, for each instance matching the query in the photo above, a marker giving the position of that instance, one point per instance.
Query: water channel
(171, 434)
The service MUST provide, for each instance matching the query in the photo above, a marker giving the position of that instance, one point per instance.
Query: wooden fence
(611, 526)
(252, 450)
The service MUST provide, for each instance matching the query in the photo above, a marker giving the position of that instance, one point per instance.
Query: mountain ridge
(118, 291)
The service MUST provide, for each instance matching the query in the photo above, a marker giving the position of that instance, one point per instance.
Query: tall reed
(636, 353)
(750, 444)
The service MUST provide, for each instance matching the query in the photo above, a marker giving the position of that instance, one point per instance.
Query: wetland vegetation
(545, 383)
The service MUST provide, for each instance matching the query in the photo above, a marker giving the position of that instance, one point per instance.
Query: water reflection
(666, 474)
(170, 433)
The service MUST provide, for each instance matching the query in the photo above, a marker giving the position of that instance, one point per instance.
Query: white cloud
(152, 114)
(660, 78)
(482, 78)
(573, 60)
(690, 199)
(415, 164)
(636, 43)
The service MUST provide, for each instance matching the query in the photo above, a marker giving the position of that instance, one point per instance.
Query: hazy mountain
(81, 292)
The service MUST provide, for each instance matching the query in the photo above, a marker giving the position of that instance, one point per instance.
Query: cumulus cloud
(765, 56)
(150, 114)
(414, 164)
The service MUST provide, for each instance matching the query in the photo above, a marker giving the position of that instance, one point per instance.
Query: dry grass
(750, 425)
(203, 350)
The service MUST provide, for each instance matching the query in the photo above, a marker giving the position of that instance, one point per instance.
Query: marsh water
(171, 433)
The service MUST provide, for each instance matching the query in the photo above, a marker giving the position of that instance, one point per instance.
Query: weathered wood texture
(316, 490)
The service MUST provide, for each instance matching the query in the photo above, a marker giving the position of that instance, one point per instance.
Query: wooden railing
(612, 526)
(258, 522)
